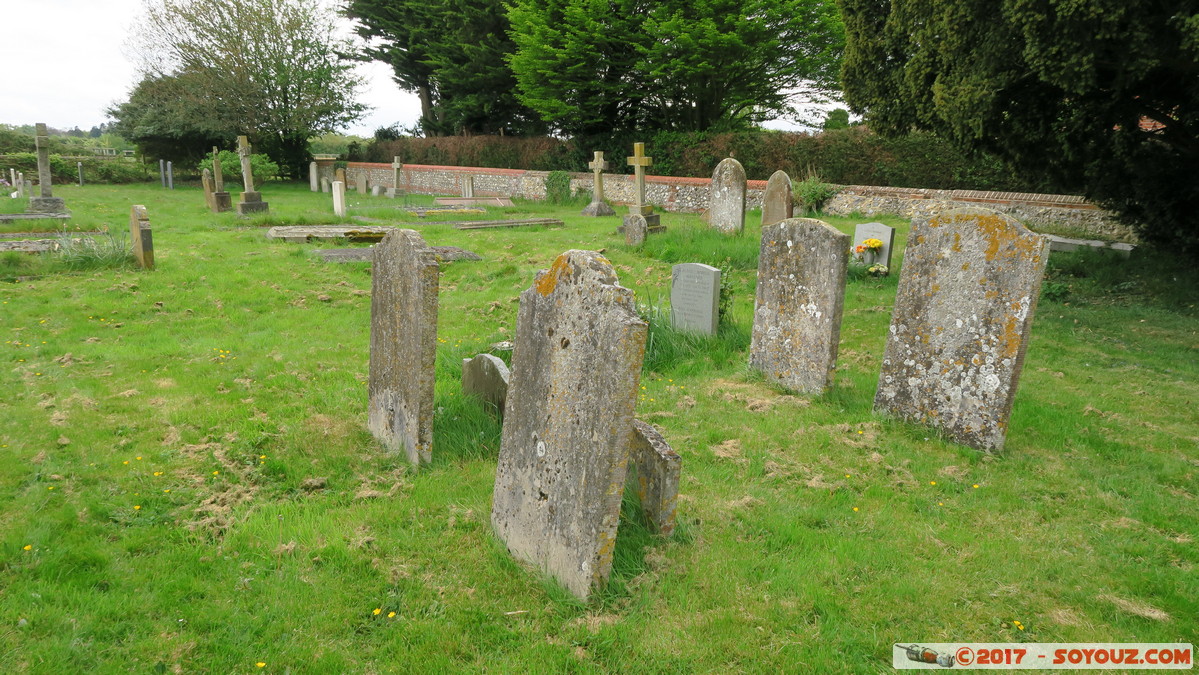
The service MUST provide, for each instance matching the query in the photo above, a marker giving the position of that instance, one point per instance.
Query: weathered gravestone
(326, 184)
(797, 312)
(962, 320)
(777, 203)
(878, 231)
(468, 185)
(569, 420)
(376, 190)
(654, 469)
(640, 205)
(726, 197)
(339, 199)
(221, 201)
(598, 207)
(313, 177)
(360, 182)
(45, 202)
(141, 236)
(209, 188)
(403, 344)
(340, 174)
(635, 229)
(695, 297)
(251, 200)
(487, 377)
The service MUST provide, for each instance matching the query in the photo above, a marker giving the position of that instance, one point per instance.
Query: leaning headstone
(403, 344)
(209, 188)
(635, 229)
(654, 469)
(569, 420)
(251, 200)
(695, 297)
(221, 200)
(339, 199)
(797, 312)
(877, 231)
(598, 207)
(726, 201)
(468, 185)
(777, 203)
(45, 202)
(313, 177)
(486, 377)
(640, 205)
(141, 236)
(360, 183)
(961, 325)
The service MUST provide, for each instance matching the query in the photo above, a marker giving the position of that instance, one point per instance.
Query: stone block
(596, 209)
(654, 472)
(46, 205)
(486, 377)
(141, 236)
(221, 202)
(246, 208)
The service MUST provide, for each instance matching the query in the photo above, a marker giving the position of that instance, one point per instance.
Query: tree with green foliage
(161, 118)
(598, 66)
(452, 56)
(271, 69)
(1100, 96)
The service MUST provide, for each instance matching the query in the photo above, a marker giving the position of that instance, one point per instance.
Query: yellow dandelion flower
(125, 462)
(940, 503)
(50, 488)
(261, 664)
(216, 473)
(137, 458)
(847, 475)
(167, 490)
(860, 431)
(391, 615)
(137, 508)
(28, 547)
(976, 485)
(932, 482)
(261, 456)
(855, 509)
(377, 611)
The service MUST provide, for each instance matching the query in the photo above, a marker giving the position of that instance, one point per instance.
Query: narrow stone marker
(209, 189)
(883, 233)
(695, 297)
(486, 377)
(313, 177)
(778, 204)
(598, 206)
(403, 344)
(797, 311)
(726, 203)
(635, 229)
(326, 184)
(568, 423)
(251, 199)
(45, 202)
(962, 320)
(339, 199)
(221, 201)
(468, 185)
(141, 236)
(360, 183)
(655, 475)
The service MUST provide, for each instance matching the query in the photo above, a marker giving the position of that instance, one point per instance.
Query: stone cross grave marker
(45, 202)
(640, 162)
(778, 204)
(339, 199)
(635, 229)
(569, 421)
(395, 190)
(251, 200)
(878, 231)
(654, 471)
(314, 183)
(961, 325)
(486, 377)
(403, 344)
(797, 311)
(726, 200)
(695, 297)
(141, 236)
(598, 207)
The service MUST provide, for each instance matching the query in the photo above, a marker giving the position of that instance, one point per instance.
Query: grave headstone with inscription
(695, 297)
(878, 232)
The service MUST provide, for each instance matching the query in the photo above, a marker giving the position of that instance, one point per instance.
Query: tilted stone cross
(640, 162)
(243, 151)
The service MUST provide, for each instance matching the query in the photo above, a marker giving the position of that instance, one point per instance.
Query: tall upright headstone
(340, 174)
(251, 199)
(221, 200)
(598, 207)
(640, 162)
(170, 175)
(141, 236)
(695, 297)
(79, 167)
(568, 423)
(778, 204)
(45, 202)
(397, 168)
(961, 325)
(360, 182)
(403, 344)
(802, 265)
(209, 189)
(886, 235)
(468, 185)
(339, 199)
(314, 179)
(726, 202)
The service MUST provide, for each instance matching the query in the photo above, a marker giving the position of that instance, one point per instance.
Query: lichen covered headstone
(726, 206)
(635, 229)
(961, 324)
(654, 473)
(778, 204)
(403, 344)
(797, 312)
(564, 455)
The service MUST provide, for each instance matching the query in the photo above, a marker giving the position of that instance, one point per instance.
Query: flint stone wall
(961, 324)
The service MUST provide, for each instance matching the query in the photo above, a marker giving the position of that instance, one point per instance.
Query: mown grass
(224, 394)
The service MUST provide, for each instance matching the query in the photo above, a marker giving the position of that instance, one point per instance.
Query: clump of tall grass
(99, 250)
(671, 349)
(699, 243)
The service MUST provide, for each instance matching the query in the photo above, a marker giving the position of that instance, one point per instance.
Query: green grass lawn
(187, 483)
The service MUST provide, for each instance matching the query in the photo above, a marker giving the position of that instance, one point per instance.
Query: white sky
(63, 64)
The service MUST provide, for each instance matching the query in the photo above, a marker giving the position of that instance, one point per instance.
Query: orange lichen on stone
(549, 281)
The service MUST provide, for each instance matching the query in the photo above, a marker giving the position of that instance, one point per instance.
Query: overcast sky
(63, 64)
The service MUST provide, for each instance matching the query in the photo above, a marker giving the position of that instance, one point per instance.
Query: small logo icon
(925, 655)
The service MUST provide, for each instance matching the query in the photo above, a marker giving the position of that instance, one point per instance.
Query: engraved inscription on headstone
(695, 297)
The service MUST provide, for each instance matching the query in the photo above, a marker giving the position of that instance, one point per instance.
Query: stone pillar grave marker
(468, 185)
(885, 234)
(487, 377)
(598, 207)
(141, 236)
(568, 423)
(726, 201)
(797, 311)
(640, 162)
(403, 344)
(339, 199)
(45, 202)
(221, 200)
(313, 178)
(251, 200)
(961, 325)
(778, 204)
(695, 297)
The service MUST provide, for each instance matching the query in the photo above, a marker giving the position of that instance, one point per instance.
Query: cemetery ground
(188, 485)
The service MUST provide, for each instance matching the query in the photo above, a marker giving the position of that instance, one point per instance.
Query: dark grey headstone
(141, 236)
(695, 297)
(487, 377)
(878, 231)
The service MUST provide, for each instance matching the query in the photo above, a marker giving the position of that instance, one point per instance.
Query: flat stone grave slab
(367, 254)
(302, 233)
(1067, 244)
(29, 245)
(42, 235)
(473, 201)
(490, 224)
(652, 229)
(13, 217)
(422, 211)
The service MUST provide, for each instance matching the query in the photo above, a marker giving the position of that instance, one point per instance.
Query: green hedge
(65, 170)
(853, 156)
